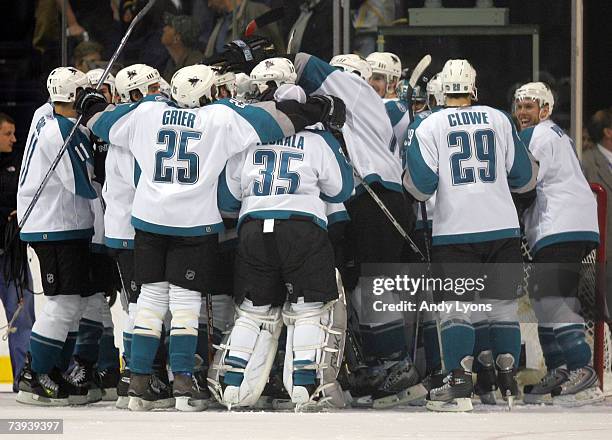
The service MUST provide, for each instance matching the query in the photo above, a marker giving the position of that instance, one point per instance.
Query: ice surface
(103, 421)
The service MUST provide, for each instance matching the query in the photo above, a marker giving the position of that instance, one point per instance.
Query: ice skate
(455, 395)
(149, 392)
(107, 380)
(39, 389)
(540, 392)
(506, 378)
(80, 383)
(486, 379)
(122, 389)
(581, 388)
(188, 394)
(401, 386)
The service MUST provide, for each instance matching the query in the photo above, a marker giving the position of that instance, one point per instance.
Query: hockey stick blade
(57, 159)
(263, 20)
(419, 69)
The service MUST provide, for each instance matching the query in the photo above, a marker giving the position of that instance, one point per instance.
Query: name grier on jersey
(178, 117)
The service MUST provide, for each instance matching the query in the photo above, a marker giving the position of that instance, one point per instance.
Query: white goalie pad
(319, 330)
(263, 329)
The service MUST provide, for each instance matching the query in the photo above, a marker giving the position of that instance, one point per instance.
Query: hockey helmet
(434, 89)
(135, 77)
(193, 86)
(536, 91)
(459, 77)
(63, 83)
(226, 80)
(354, 64)
(385, 63)
(94, 78)
(277, 70)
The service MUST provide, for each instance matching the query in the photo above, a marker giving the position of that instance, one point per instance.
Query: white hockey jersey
(182, 152)
(63, 210)
(368, 133)
(118, 192)
(294, 176)
(399, 116)
(336, 213)
(565, 208)
(474, 158)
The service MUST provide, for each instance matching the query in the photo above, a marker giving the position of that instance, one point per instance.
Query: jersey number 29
(187, 175)
(484, 143)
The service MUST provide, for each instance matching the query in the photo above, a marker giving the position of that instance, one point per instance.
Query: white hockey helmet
(164, 88)
(353, 63)
(536, 91)
(278, 70)
(244, 88)
(385, 63)
(63, 83)
(192, 83)
(227, 80)
(135, 77)
(459, 77)
(94, 78)
(434, 89)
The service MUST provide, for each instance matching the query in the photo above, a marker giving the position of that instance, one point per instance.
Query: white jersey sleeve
(472, 158)
(565, 209)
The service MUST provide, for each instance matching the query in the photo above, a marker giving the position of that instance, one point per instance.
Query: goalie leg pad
(244, 358)
(315, 344)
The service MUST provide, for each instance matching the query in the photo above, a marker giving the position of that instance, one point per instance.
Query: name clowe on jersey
(295, 141)
(467, 118)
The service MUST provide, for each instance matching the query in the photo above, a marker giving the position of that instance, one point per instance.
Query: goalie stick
(59, 156)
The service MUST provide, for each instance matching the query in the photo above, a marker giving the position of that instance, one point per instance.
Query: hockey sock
(127, 333)
(572, 340)
(307, 335)
(482, 342)
(432, 346)
(553, 355)
(108, 355)
(244, 334)
(185, 307)
(457, 342)
(506, 338)
(150, 311)
(90, 329)
(50, 331)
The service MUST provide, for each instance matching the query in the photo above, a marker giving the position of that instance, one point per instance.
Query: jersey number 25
(187, 175)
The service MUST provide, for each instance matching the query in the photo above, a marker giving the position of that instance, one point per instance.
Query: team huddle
(235, 211)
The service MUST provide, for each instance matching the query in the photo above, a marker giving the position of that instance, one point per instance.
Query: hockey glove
(243, 55)
(333, 110)
(87, 100)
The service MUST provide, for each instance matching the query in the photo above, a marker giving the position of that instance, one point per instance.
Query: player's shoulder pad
(266, 126)
(312, 71)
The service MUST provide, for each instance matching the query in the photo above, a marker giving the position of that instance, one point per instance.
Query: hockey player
(175, 247)
(561, 228)
(371, 147)
(472, 158)
(282, 243)
(59, 230)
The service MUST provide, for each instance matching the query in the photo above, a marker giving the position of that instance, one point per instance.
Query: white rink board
(103, 421)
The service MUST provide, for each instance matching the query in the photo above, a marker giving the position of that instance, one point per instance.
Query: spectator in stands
(87, 55)
(246, 11)
(369, 16)
(180, 36)
(19, 339)
(597, 165)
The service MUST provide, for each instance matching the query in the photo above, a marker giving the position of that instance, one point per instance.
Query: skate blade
(414, 393)
(586, 397)
(510, 401)
(283, 404)
(462, 404)
(34, 399)
(75, 399)
(189, 404)
(94, 395)
(362, 402)
(537, 399)
(169, 402)
(264, 402)
(139, 404)
(122, 402)
(488, 398)
(109, 394)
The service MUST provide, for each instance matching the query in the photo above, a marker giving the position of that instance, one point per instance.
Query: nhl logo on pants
(190, 275)
(50, 278)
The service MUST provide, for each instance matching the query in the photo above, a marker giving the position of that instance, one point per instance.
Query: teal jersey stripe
(314, 74)
(526, 136)
(476, 237)
(337, 217)
(225, 199)
(194, 231)
(79, 160)
(117, 243)
(424, 178)
(56, 236)
(565, 237)
(394, 111)
(348, 182)
(262, 122)
(520, 173)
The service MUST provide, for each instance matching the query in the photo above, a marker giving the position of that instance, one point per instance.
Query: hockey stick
(210, 327)
(59, 156)
(417, 73)
(263, 20)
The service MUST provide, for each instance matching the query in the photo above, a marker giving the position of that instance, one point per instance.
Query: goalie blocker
(298, 262)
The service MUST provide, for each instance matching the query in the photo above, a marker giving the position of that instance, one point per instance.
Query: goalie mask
(459, 78)
(64, 82)
(94, 78)
(273, 72)
(354, 64)
(137, 77)
(194, 86)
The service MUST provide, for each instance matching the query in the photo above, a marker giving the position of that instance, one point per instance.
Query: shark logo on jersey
(50, 278)
(72, 70)
(190, 275)
(194, 81)
(131, 74)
